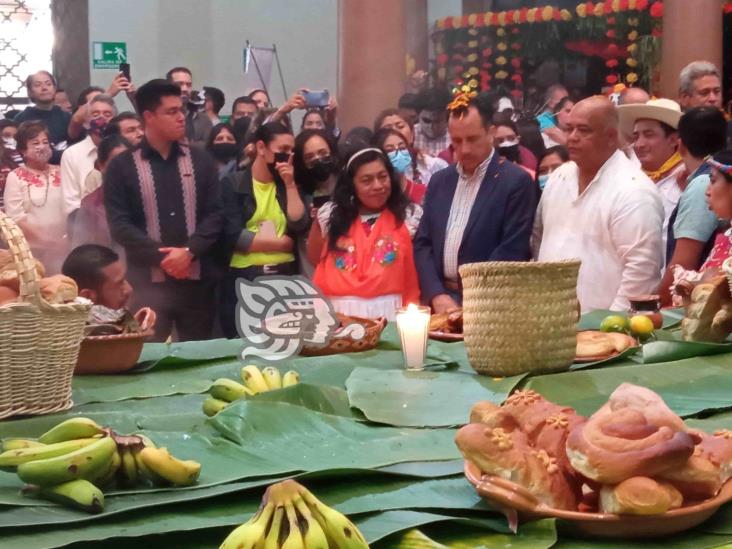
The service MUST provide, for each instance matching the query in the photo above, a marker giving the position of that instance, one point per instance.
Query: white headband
(359, 153)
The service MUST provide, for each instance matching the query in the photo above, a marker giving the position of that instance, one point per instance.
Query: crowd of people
(639, 188)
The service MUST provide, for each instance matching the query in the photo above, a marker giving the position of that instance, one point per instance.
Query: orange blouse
(373, 264)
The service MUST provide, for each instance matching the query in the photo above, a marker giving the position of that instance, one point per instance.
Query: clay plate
(597, 358)
(445, 336)
(517, 503)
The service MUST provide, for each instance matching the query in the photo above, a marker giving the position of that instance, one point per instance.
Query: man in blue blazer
(481, 209)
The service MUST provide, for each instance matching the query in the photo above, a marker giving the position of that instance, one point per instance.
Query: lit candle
(413, 324)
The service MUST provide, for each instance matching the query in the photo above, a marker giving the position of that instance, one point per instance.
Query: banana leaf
(688, 386)
(692, 539)
(423, 399)
(614, 361)
(667, 351)
(353, 498)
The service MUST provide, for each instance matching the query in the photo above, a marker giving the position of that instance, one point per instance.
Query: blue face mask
(401, 160)
(542, 180)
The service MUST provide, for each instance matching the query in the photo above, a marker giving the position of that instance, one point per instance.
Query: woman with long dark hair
(225, 148)
(362, 240)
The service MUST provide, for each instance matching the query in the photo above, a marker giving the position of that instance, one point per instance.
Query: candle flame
(412, 308)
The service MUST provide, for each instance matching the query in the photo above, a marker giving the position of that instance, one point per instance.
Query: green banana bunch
(78, 493)
(76, 427)
(19, 443)
(299, 521)
(13, 458)
(87, 462)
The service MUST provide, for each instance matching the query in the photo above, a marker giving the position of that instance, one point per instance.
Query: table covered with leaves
(367, 437)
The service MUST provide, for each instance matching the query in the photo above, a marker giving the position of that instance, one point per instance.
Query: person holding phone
(263, 213)
(312, 101)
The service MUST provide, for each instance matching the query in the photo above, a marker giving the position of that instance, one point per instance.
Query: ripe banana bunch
(225, 391)
(75, 459)
(291, 517)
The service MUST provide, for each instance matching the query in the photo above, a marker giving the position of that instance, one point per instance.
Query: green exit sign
(108, 55)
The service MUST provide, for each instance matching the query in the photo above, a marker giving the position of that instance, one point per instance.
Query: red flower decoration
(557, 15)
(657, 10)
(509, 16)
(641, 5)
(494, 19)
(610, 33)
(657, 33)
(524, 15)
(464, 22)
(515, 30)
(487, 52)
(611, 79)
(623, 5)
(442, 59)
(608, 7)
(448, 22)
(517, 78)
(611, 63)
(516, 62)
(487, 66)
(612, 50)
(610, 20)
(516, 93)
(480, 21)
(728, 8)
(590, 7)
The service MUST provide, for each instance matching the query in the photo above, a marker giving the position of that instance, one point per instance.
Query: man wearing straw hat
(604, 210)
(654, 127)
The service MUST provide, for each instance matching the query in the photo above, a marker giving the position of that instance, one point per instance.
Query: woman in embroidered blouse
(362, 241)
(33, 197)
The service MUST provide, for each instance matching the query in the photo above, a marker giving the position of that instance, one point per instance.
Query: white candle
(413, 324)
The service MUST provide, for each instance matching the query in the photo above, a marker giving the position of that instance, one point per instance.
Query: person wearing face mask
(78, 160)
(403, 160)
(508, 142)
(263, 214)
(430, 132)
(34, 200)
(316, 166)
(552, 158)
(224, 147)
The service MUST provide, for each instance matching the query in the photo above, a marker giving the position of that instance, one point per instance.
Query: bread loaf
(59, 289)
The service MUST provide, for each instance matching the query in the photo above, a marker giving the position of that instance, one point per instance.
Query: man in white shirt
(654, 130)
(78, 160)
(601, 209)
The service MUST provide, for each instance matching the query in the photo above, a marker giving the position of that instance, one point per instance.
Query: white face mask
(9, 143)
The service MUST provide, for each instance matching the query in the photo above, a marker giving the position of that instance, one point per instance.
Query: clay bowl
(110, 354)
(518, 504)
(445, 336)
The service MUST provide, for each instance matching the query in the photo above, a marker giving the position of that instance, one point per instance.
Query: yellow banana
(76, 493)
(272, 377)
(212, 406)
(145, 473)
(272, 541)
(294, 537)
(87, 462)
(290, 378)
(249, 534)
(340, 531)
(44, 451)
(20, 443)
(76, 427)
(253, 379)
(229, 390)
(175, 471)
(146, 441)
(129, 473)
(313, 536)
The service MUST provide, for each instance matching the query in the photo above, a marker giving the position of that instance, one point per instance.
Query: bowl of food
(447, 326)
(353, 335)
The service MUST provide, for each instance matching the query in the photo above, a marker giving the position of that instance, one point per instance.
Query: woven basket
(39, 342)
(374, 327)
(520, 317)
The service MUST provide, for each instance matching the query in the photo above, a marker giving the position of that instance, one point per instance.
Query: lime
(614, 323)
(641, 326)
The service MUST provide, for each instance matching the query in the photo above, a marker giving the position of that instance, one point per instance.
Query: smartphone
(281, 157)
(316, 98)
(318, 201)
(124, 68)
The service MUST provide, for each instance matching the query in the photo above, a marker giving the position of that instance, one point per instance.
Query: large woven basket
(520, 317)
(39, 342)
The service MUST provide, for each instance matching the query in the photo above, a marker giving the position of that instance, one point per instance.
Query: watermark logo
(278, 315)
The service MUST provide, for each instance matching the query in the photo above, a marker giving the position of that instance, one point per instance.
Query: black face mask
(278, 157)
(511, 153)
(224, 151)
(241, 127)
(322, 169)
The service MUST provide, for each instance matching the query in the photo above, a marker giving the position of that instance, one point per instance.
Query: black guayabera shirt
(126, 217)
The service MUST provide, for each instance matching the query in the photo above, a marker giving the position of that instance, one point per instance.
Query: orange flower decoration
(460, 103)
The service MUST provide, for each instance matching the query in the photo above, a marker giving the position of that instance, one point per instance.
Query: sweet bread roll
(59, 289)
(621, 341)
(639, 496)
(491, 415)
(592, 343)
(707, 469)
(613, 446)
(438, 322)
(509, 456)
(9, 275)
(531, 410)
(644, 400)
(709, 312)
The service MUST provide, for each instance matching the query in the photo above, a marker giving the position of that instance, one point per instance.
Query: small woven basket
(727, 269)
(520, 317)
(39, 342)
(374, 327)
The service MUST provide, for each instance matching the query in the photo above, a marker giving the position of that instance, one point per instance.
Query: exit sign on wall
(108, 55)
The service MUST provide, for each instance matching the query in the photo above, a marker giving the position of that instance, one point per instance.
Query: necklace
(45, 196)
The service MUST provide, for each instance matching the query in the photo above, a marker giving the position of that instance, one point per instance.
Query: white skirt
(385, 305)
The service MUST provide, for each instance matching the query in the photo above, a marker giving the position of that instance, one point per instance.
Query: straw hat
(663, 110)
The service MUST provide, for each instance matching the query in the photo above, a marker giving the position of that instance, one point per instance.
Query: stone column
(372, 62)
(417, 35)
(691, 31)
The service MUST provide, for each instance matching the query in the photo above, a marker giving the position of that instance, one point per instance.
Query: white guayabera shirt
(614, 227)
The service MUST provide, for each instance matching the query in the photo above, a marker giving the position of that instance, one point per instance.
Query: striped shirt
(429, 145)
(462, 204)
